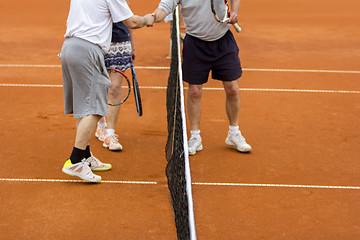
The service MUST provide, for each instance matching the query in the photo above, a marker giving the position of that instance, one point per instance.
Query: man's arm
(235, 6)
(159, 15)
(138, 21)
(133, 51)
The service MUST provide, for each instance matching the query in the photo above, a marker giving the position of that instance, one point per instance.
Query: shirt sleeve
(119, 10)
(168, 5)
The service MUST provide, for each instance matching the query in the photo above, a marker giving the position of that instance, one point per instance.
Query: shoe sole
(239, 149)
(75, 175)
(106, 146)
(101, 169)
(97, 136)
(197, 150)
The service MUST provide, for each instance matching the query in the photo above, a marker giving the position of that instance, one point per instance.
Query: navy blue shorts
(221, 57)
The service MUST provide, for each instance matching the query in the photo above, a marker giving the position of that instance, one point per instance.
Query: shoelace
(101, 131)
(193, 140)
(93, 161)
(115, 137)
(84, 169)
(241, 136)
(238, 134)
(86, 162)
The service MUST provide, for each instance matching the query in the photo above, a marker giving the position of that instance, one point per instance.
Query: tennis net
(176, 149)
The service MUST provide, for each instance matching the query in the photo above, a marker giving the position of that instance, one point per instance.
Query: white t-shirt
(92, 20)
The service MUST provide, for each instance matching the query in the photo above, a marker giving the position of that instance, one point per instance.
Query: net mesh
(175, 169)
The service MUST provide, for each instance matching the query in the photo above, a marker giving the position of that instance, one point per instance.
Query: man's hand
(150, 19)
(233, 18)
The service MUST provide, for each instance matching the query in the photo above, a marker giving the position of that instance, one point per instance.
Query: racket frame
(226, 16)
(136, 89)
(122, 86)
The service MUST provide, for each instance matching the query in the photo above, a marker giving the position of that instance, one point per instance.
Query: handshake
(148, 20)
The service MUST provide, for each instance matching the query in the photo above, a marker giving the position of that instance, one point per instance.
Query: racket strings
(220, 10)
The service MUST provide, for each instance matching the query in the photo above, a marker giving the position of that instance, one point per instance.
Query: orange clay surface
(300, 137)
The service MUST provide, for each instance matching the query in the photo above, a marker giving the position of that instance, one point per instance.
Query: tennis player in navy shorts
(209, 46)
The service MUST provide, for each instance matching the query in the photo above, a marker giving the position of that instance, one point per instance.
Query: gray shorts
(85, 79)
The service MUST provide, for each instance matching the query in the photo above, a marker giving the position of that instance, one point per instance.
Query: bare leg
(232, 102)
(194, 115)
(114, 96)
(194, 106)
(85, 128)
(234, 137)
(102, 121)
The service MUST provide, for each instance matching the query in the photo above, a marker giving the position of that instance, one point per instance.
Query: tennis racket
(221, 11)
(125, 90)
(136, 90)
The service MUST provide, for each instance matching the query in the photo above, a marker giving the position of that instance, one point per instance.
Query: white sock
(195, 133)
(233, 129)
(102, 123)
(110, 132)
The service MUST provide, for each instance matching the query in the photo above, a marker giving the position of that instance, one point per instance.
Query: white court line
(30, 65)
(30, 85)
(290, 90)
(165, 68)
(300, 70)
(277, 185)
(194, 183)
(211, 89)
(72, 181)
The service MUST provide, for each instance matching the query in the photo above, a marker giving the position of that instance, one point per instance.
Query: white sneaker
(101, 133)
(238, 141)
(81, 170)
(96, 165)
(112, 143)
(194, 145)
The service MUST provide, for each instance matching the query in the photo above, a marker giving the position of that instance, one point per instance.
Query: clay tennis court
(300, 112)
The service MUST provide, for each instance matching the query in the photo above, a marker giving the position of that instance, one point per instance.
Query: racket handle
(237, 28)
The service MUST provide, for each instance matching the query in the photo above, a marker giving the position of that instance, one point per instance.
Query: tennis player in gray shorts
(85, 79)
(85, 86)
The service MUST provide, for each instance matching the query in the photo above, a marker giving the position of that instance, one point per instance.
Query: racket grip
(237, 28)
